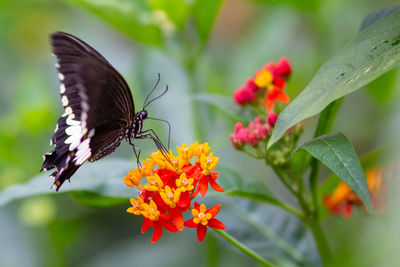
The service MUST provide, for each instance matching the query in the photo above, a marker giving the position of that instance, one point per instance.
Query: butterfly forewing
(98, 107)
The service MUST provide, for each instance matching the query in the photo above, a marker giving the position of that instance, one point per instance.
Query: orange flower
(171, 186)
(274, 93)
(203, 218)
(343, 199)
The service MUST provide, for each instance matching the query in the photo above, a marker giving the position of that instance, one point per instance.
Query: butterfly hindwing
(98, 107)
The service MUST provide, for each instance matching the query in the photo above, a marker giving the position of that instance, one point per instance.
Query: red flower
(203, 218)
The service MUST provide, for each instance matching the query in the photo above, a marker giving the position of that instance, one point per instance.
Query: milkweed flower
(252, 135)
(266, 87)
(343, 199)
(170, 186)
(202, 218)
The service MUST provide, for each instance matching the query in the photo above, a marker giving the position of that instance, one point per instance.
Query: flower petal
(217, 224)
(146, 224)
(203, 184)
(214, 210)
(177, 218)
(282, 97)
(201, 232)
(190, 223)
(156, 234)
(214, 185)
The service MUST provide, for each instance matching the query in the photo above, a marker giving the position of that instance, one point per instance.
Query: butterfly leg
(150, 134)
(137, 152)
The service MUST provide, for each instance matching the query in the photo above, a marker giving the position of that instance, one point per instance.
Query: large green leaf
(103, 178)
(371, 53)
(336, 152)
(204, 13)
(132, 17)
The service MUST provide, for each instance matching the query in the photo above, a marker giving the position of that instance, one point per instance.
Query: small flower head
(185, 153)
(155, 184)
(137, 206)
(208, 163)
(150, 211)
(200, 149)
(170, 196)
(263, 78)
(343, 199)
(202, 218)
(133, 178)
(185, 184)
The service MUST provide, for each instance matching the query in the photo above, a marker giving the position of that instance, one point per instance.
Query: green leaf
(377, 15)
(224, 103)
(177, 10)
(132, 17)
(103, 178)
(204, 13)
(371, 53)
(336, 152)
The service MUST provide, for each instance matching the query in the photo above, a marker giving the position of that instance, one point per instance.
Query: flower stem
(321, 241)
(243, 248)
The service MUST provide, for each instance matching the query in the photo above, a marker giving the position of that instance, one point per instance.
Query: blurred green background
(198, 47)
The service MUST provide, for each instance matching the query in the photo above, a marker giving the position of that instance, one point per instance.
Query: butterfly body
(99, 109)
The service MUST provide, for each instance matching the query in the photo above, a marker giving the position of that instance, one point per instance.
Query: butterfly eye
(143, 114)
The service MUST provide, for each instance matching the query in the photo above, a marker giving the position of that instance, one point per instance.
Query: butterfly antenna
(169, 128)
(163, 93)
(151, 91)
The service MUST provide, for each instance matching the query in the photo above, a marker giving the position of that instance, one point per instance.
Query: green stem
(321, 241)
(313, 178)
(243, 248)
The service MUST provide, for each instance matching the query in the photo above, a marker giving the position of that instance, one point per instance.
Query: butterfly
(99, 110)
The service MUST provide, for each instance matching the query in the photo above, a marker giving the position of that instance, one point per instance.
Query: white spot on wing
(64, 100)
(57, 65)
(62, 88)
(61, 76)
(84, 152)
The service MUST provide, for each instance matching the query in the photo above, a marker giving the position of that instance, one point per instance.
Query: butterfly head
(141, 115)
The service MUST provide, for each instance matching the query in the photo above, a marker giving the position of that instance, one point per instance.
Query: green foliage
(336, 152)
(204, 14)
(371, 53)
(98, 179)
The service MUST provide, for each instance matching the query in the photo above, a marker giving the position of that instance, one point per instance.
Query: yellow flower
(200, 149)
(184, 184)
(185, 153)
(147, 167)
(155, 183)
(150, 211)
(208, 163)
(133, 178)
(170, 196)
(137, 206)
(263, 78)
(200, 215)
(177, 163)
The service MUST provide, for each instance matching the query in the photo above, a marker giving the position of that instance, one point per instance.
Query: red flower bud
(272, 117)
(283, 67)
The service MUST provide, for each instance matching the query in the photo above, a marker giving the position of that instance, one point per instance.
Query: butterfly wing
(98, 107)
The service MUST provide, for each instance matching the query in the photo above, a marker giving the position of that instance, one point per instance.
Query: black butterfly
(99, 109)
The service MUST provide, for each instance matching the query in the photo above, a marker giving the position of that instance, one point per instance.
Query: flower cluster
(343, 199)
(172, 186)
(266, 87)
(252, 135)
